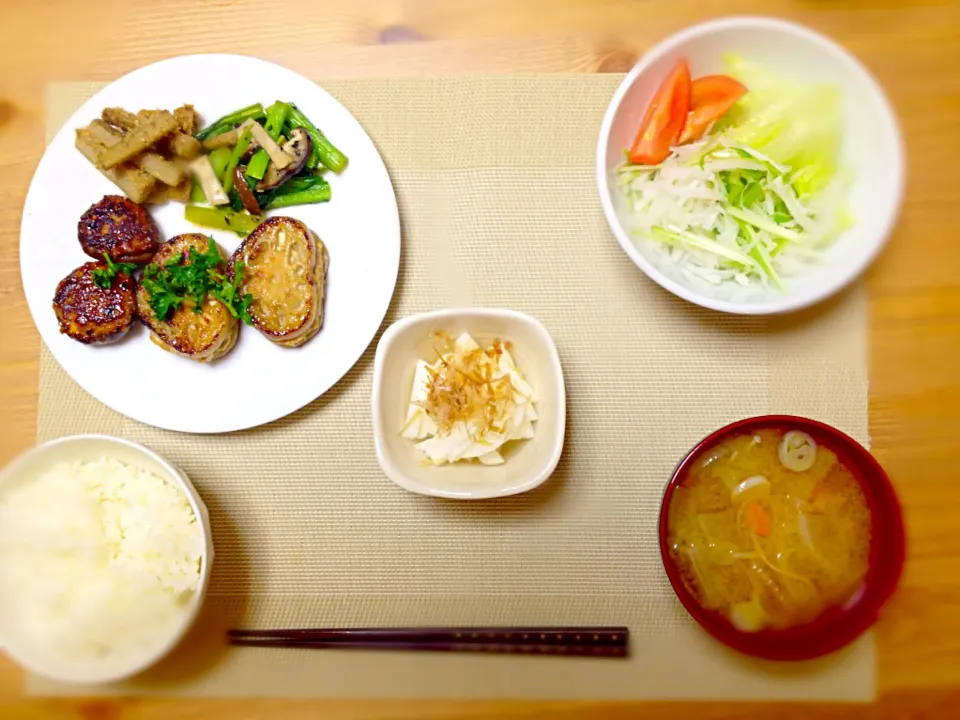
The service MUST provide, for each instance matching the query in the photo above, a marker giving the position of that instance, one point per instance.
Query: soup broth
(770, 529)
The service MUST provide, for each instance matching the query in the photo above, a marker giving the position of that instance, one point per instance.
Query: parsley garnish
(176, 281)
(104, 276)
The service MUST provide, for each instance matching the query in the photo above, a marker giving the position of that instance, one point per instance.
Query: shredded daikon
(753, 203)
(725, 215)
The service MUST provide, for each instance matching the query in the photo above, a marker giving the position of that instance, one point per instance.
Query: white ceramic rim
(769, 307)
(206, 562)
(407, 483)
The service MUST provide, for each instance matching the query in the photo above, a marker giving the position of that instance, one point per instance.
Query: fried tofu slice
(187, 119)
(134, 182)
(151, 129)
(150, 162)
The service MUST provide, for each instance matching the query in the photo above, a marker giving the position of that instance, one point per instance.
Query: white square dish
(528, 462)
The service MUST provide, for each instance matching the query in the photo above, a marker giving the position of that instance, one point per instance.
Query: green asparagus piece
(317, 194)
(329, 155)
(219, 159)
(303, 182)
(296, 184)
(227, 122)
(243, 142)
(222, 219)
(257, 167)
(323, 149)
(276, 117)
(196, 192)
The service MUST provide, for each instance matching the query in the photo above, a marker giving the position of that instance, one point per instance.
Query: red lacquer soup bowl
(839, 625)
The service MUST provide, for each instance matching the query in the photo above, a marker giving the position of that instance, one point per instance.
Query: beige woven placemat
(494, 177)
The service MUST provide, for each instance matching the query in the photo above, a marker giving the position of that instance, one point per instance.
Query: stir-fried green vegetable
(277, 115)
(241, 147)
(228, 122)
(222, 219)
(323, 149)
(219, 159)
(196, 192)
(268, 186)
(257, 167)
(316, 194)
(303, 190)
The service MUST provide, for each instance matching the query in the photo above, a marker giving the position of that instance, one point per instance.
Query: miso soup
(770, 529)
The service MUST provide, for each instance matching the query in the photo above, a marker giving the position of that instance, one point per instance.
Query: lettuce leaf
(795, 123)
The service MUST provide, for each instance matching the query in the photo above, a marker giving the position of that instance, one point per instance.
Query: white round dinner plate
(257, 382)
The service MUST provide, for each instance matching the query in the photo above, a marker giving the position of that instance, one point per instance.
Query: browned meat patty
(90, 313)
(118, 227)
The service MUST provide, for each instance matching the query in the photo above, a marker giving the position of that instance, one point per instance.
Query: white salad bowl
(90, 448)
(871, 153)
(528, 463)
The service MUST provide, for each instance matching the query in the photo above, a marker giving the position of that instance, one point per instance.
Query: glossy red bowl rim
(836, 627)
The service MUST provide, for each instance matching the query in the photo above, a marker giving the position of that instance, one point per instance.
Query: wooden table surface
(913, 47)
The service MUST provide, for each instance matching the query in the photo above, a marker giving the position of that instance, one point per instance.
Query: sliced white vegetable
(798, 451)
(703, 243)
(748, 616)
(733, 164)
(797, 210)
(763, 158)
(763, 223)
(277, 156)
(723, 212)
(750, 489)
(203, 171)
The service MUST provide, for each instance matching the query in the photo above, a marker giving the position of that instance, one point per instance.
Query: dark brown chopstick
(567, 641)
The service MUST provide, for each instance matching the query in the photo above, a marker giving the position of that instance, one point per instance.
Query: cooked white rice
(98, 561)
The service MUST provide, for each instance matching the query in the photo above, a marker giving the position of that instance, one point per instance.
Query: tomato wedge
(710, 99)
(664, 119)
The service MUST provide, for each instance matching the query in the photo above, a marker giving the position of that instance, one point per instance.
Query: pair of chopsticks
(610, 642)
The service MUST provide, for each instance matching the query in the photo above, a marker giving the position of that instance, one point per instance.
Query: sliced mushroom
(299, 147)
(247, 197)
